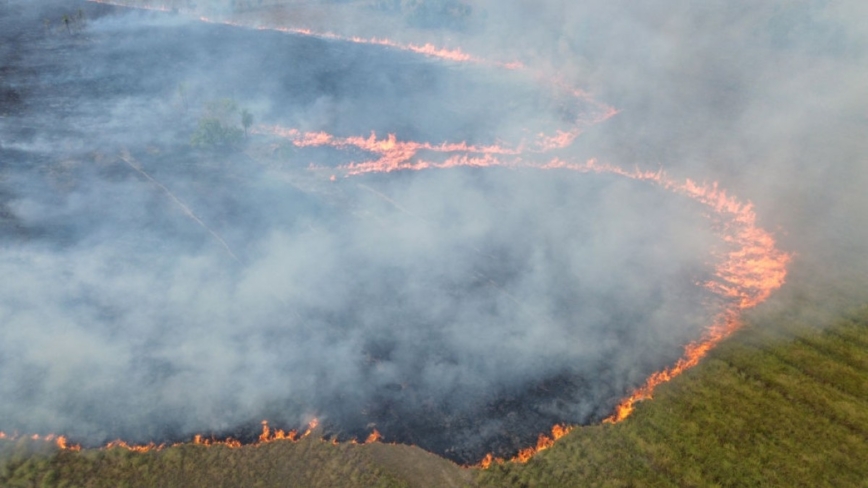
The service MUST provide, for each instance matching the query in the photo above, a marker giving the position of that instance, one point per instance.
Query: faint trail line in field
(388, 200)
(127, 158)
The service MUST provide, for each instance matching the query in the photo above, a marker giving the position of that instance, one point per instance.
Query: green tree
(66, 22)
(246, 120)
(211, 133)
(216, 128)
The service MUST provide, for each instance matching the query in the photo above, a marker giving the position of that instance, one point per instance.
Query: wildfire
(543, 442)
(393, 155)
(267, 436)
(58, 440)
(374, 437)
(270, 436)
(141, 448)
(427, 49)
(744, 275)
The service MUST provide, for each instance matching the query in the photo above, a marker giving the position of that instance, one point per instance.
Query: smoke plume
(162, 279)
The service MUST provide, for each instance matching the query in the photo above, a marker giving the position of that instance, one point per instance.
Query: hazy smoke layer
(152, 290)
(769, 99)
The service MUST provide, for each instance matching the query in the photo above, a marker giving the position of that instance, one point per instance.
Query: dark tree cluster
(217, 127)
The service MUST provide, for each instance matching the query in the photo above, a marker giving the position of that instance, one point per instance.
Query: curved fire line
(744, 277)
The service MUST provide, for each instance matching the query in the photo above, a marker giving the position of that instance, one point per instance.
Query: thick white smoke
(464, 310)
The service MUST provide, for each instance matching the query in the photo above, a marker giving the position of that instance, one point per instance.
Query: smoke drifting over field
(153, 290)
(767, 99)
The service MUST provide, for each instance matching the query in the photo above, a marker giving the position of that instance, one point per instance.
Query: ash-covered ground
(154, 289)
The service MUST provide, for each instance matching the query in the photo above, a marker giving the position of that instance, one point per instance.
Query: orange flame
(400, 155)
(268, 435)
(374, 437)
(58, 440)
(427, 49)
(199, 440)
(63, 444)
(277, 434)
(543, 442)
(310, 427)
(142, 448)
(744, 276)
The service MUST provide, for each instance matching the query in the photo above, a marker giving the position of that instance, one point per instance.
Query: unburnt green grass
(778, 404)
(781, 403)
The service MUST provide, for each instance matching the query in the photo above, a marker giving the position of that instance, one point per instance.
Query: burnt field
(163, 281)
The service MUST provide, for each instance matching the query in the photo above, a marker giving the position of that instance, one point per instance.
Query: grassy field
(308, 462)
(781, 404)
(774, 406)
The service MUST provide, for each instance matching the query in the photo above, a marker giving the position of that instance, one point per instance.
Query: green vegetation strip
(782, 403)
(308, 462)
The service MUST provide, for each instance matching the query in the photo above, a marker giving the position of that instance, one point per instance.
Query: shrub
(216, 128)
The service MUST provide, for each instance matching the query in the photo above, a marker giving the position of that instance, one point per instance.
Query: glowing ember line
(374, 437)
(427, 49)
(267, 436)
(388, 146)
(58, 440)
(543, 143)
(744, 276)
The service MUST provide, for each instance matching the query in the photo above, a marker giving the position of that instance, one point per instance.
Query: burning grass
(779, 404)
(745, 273)
(782, 403)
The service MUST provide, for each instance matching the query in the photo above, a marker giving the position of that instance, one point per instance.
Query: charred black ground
(464, 311)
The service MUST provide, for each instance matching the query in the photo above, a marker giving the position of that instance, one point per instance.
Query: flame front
(744, 276)
(374, 437)
(58, 440)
